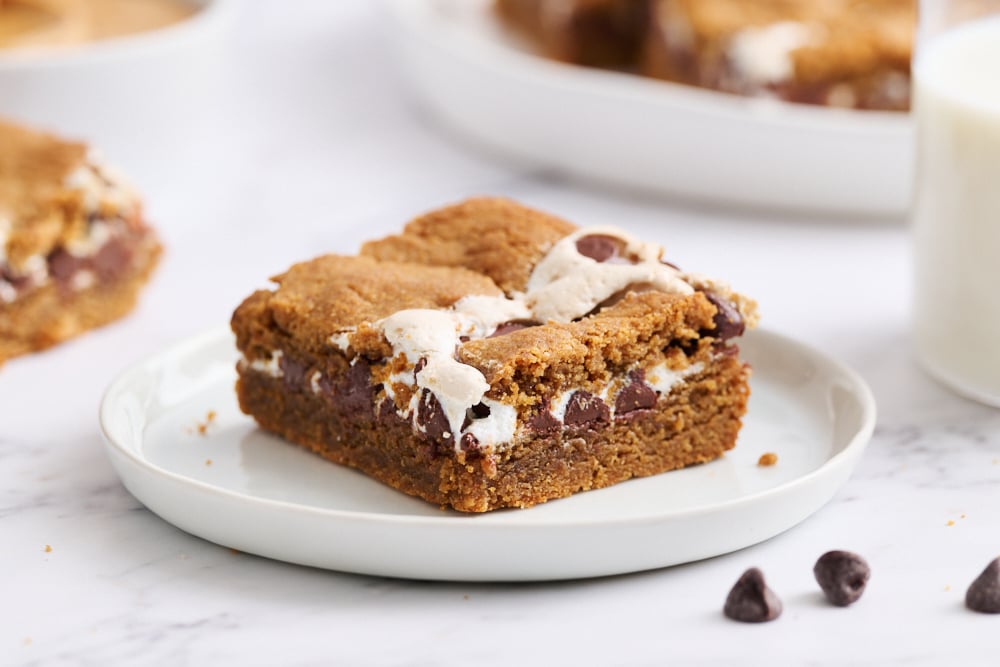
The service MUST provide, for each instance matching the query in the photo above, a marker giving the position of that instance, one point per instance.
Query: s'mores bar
(494, 356)
(74, 248)
(840, 53)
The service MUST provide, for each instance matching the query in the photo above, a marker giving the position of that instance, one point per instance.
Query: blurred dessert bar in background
(74, 248)
(44, 24)
(841, 53)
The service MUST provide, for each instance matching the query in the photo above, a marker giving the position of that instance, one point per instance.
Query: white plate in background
(115, 93)
(240, 487)
(648, 135)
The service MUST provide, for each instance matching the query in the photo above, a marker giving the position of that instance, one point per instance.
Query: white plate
(644, 134)
(264, 496)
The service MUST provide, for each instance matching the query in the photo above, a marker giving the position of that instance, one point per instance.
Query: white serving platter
(238, 486)
(647, 135)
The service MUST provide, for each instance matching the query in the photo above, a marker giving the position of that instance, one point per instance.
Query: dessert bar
(495, 356)
(841, 53)
(74, 248)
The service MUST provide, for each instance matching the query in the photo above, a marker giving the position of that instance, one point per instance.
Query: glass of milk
(956, 208)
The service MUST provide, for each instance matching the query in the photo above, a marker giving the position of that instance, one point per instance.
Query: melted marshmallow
(566, 285)
(270, 366)
(433, 335)
(764, 55)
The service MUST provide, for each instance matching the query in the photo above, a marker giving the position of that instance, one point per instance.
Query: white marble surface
(310, 144)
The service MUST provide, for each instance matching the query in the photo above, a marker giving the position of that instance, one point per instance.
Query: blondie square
(494, 356)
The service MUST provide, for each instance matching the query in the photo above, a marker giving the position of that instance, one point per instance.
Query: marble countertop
(312, 144)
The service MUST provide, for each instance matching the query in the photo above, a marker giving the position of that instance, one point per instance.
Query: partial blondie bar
(494, 356)
(74, 248)
(841, 53)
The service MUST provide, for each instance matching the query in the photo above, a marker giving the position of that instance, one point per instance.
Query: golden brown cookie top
(331, 294)
(587, 352)
(493, 236)
(34, 200)
(839, 38)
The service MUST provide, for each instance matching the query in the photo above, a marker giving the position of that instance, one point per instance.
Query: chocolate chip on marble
(512, 326)
(751, 601)
(636, 395)
(728, 321)
(601, 248)
(584, 408)
(842, 575)
(984, 593)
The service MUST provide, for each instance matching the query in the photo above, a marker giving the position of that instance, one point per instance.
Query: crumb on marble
(235, 552)
(767, 459)
(48, 548)
(27, 641)
(208, 462)
(950, 523)
(465, 597)
(947, 588)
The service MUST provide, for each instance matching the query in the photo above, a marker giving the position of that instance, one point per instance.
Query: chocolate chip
(353, 391)
(984, 593)
(469, 442)
(600, 248)
(688, 346)
(751, 601)
(387, 415)
(477, 411)
(63, 265)
(512, 326)
(728, 321)
(293, 373)
(584, 408)
(543, 421)
(636, 395)
(431, 417)
(113, 259)
(842, 575)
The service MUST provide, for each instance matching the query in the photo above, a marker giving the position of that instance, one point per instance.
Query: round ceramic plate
(643, 134)
(183, 448)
